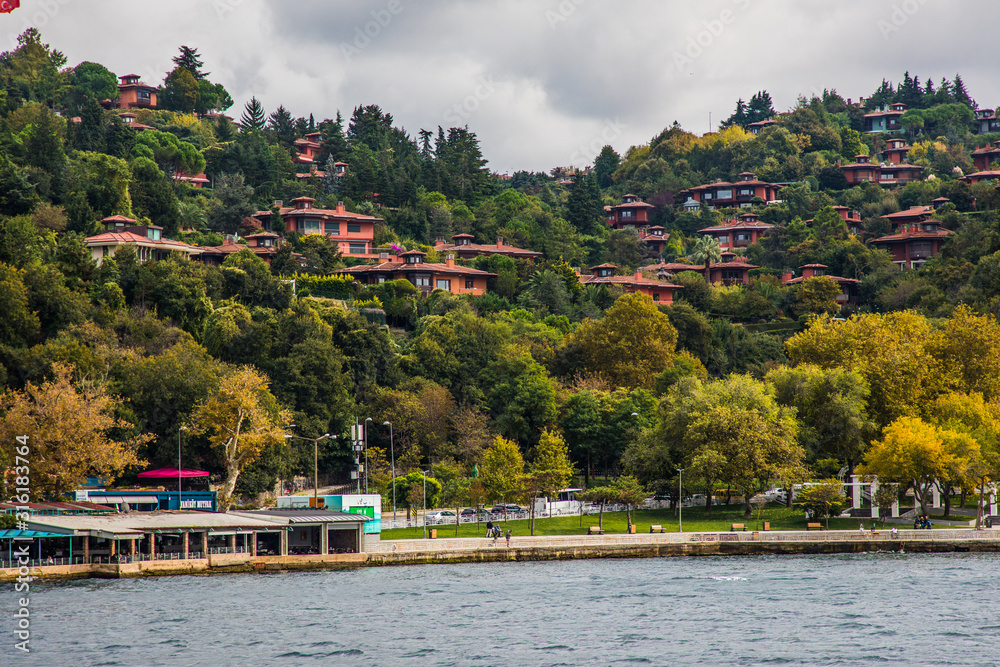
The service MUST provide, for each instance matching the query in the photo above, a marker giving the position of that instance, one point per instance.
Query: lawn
(696, 519)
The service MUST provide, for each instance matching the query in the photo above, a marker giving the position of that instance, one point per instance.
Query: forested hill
(112, 365)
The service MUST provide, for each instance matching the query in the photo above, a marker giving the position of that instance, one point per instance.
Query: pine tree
(739, 117)
(253, 119)
(760, 108)
(960, 94)
(605, 165)
(189, 59)
(584, 208)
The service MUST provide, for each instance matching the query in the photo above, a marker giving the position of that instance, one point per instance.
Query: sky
(542, 83)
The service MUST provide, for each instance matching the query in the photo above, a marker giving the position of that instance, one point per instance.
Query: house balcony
(741, 243)
(920, 254)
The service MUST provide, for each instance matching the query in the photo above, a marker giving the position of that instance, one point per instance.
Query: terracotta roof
(627, 280)
(126, 238)
(402, 267)
(606, 265)
(119, 218)
(290, 210)
(263, 235)
(634, 204)
(914, 234)
(486, 248)
(412, 252)
(725, 227)
(912, 212)
(795, 281)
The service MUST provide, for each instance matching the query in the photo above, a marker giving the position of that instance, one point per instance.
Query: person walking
(509, 533)
(489, 528)
(496, 534)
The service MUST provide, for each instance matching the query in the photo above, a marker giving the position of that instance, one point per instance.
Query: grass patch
(696, 519)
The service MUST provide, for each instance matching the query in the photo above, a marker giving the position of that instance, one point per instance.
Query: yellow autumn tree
(242, 418)
(889, 351)
(915, 451)
(632, 344)
(69, 427)
(967, 347)
(501, 470)
(549, 471)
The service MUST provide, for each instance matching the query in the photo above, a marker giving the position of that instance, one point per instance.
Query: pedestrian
(861, 527)
(496, 534)
(509, 533)
(489, 528)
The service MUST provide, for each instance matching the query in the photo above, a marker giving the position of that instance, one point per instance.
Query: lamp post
(315, 442)
(180, 495)
(392, 459)
(424, 474)
(367, 419)
(680, 507)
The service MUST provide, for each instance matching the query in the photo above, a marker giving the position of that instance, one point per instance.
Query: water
(790, 610)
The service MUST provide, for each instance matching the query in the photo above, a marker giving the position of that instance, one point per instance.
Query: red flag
(7, 6)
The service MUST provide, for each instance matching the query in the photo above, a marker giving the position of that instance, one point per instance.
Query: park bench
(737, 526)
(595, 530)
(656, 528)
(814, 526)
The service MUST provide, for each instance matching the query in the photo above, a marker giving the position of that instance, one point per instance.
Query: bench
(737, 526)
(656, 528)
(595, 530)
(814, 526)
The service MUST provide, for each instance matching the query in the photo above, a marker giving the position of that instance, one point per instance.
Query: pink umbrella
(172, 473)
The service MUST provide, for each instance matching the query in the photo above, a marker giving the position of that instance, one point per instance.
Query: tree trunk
(229, 487)
(979, 505)
(747, 508)
(458, 518)
(946, 492)
(600, 517)
(708, 498)
(533, 499)
(586, 472)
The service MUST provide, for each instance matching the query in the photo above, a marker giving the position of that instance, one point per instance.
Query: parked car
(441, 515)
(509, 507)
(469, 511)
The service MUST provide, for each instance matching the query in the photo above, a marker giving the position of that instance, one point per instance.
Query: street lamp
(680, 507)
(315, 442)
(367, 419)
(180, 495)
(392, 459)
(424, 474)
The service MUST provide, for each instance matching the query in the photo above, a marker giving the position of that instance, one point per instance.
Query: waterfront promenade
(562, 547)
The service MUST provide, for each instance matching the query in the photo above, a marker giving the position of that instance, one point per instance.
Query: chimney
(450, 261)
(638, 274)
(499, 241)
(340, 207)
(786, 276)
(439, 241)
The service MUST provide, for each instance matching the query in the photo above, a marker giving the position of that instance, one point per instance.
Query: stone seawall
(524, 549)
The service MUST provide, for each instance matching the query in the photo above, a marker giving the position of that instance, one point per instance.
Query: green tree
(501, 470)
(181, 91)
(548, 472)
(190, 60)
(521, 394)
(817, 295)
(253, 118)
(629, 492)
(824, 498)
(95, 81)
(630, 346)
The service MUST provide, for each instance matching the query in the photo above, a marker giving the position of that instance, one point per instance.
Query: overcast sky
(543, 83)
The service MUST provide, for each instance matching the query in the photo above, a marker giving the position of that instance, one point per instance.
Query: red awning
(166, 473)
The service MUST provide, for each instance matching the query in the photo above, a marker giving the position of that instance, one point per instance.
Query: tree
(69, 430)
(630, 346)
(181, 91)
(521, 394)
(548, 472)
(914, 451)
(831, 407)
(584, 208)
(233, 202)
(501, 470)
(705, 250)
(605, 164)
(629, 492)
(242, 419)
(824, 498)
(190, 59)
(601, 495)
(253, 118)
(173, 156)
(95, 81)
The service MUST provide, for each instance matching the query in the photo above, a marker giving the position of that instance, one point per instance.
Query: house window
(381, 279)
(746, 192)
(353, 228)
(422, 281)
(332, 228)
(626, 214)
(312, 226)
(142, 95)
(656, 296)
(444, 284)
(413, 259)
(724, 194)
(723, 238)
(357, 249)
(470, 284)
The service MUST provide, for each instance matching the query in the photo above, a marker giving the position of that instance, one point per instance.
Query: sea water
(862, 609)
